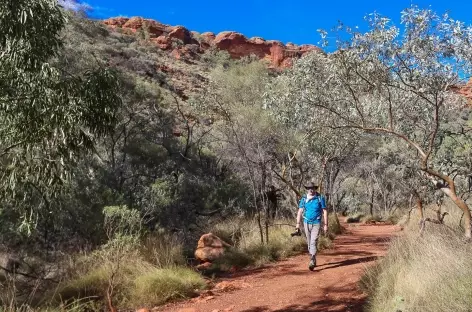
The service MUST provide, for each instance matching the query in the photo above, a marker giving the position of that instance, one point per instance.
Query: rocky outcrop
(210, 247)
(134, 24)
(466, 90)
(175, 38)
(182, 34)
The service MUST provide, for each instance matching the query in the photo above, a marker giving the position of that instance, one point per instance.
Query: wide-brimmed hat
(310, 185)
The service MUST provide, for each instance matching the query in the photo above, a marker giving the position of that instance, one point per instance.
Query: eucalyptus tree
(313, 150)
(48, 117)
(243, 133)
(394, 81)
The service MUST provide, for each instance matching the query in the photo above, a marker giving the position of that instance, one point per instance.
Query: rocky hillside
(182, 43)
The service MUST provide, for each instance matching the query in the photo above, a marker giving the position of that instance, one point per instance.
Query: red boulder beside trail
(209, 248)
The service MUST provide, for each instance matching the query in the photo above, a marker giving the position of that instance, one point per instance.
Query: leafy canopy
(48, 117)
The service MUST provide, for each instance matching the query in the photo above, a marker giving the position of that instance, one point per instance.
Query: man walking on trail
(312, 207)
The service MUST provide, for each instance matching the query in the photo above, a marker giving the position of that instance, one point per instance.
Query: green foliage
(216, 57)
(29, 34)
(394, 82)
(164, 192)
(121, 221)
(132, 272)
(49, 118)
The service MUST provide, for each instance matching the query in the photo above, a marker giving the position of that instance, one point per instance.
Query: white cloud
(75, 5)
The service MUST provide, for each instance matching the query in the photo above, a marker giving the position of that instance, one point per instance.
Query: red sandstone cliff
(236, 44)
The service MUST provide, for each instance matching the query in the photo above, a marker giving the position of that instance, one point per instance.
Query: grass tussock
(368, 219)
(163, 250)
(155, 286)
(135, 283)
(428, 272)
(130, 274)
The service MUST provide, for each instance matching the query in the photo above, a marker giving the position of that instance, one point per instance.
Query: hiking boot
(312, 264)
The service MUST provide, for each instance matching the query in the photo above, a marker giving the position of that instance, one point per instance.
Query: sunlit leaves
(29, 31)
(48, 117)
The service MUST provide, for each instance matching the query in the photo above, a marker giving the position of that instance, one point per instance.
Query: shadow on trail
(252, 271)
(288, 270)
(324, 305)
(335, 299)
(333, 265)
(349, 253)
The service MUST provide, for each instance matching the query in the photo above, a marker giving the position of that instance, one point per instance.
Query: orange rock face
(162, 42)
(239, 46)
(236, 44)
(182, 34)
(467, 91)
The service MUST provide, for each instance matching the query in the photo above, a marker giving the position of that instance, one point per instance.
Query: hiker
(312, 206)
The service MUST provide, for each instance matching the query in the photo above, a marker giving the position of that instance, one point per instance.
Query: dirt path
(289, 285)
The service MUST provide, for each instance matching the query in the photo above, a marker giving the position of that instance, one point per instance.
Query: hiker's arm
(299, 217)
(301, 207)
(325, 214)
(325, 217)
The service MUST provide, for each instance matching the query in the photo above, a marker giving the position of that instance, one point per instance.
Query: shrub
(324, 242)
(233, 258)
(393, 218)
(334, 226)
(230, 230)
(355, 218)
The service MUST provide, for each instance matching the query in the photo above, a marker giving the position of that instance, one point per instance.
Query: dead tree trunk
(448, 187)
(419, 206)
(371, 204)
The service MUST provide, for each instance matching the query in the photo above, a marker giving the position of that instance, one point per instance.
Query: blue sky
(287, 21)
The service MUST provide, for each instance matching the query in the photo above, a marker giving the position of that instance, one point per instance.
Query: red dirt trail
(289, 286)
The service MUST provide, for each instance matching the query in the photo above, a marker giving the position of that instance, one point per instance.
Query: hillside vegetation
(115, 157)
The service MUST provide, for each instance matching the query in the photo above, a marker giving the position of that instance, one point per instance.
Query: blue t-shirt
(313, 208)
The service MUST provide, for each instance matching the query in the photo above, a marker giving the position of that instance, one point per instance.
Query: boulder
(210, 247)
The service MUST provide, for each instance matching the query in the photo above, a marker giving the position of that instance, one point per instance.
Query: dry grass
(427, 272)
(163, 250)
(248, 249)
(136, 283)
(152, 272)
(153, 286)
(131, 274)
